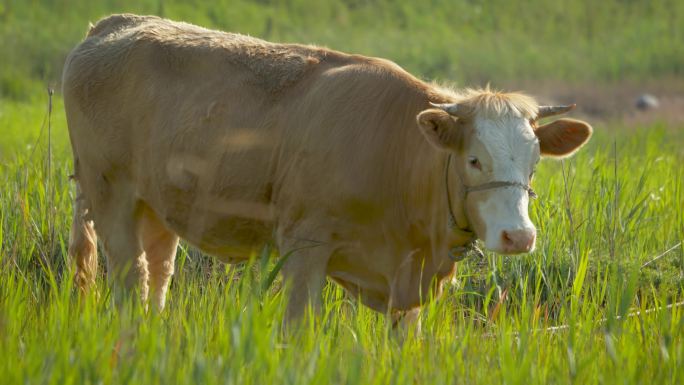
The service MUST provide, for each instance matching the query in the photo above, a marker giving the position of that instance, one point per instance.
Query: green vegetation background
(465, 41)
(606, 218)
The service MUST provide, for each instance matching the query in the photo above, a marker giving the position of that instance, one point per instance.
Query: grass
(468, 42)
(605, 217)
(601, 216)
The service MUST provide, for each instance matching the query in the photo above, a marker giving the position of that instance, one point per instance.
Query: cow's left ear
(562, 137)
(440, 129)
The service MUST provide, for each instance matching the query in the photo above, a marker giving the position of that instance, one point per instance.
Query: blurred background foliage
(464, 41)
(610, 219)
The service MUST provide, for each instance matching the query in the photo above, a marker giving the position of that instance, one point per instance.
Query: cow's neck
(459, 233)
(431, 199)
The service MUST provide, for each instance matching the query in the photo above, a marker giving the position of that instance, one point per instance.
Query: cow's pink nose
(518, 241)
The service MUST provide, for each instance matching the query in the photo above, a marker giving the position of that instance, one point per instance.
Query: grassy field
(606, 220)
(470, 42)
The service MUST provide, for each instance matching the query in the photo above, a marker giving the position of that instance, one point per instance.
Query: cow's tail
(82, 240)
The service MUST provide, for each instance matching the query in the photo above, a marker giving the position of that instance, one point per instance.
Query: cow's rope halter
(459, 253)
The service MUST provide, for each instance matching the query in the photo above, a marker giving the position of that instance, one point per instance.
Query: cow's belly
(228, 226)
(229, 238)
(363, 279)
(395, 284)
(375, 295)
(214, 192)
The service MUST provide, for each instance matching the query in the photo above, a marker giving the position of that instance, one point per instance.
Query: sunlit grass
(601, 216)
(577, 310)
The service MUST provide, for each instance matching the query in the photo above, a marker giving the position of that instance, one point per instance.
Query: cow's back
(185, 118)
(224, 135)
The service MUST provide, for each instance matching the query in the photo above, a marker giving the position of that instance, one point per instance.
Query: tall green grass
(605, 217)
(601, 216)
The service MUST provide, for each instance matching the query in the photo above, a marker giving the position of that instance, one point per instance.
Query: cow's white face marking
(490, 136)
(501, 149)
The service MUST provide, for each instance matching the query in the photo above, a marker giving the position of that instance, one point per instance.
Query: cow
(356, 170)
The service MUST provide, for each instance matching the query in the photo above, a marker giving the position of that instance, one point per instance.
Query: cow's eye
(474, 162)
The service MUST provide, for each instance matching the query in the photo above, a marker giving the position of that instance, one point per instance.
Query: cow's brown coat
(228, 141)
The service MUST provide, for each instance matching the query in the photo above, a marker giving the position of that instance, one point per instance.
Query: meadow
(589, 305)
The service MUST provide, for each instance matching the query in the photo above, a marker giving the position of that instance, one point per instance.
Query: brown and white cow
(228, 141)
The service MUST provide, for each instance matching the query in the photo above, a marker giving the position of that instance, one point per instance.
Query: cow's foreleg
(407, 322)
(304, 272)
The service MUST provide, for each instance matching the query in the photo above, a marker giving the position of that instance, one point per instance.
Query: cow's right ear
(440, 129)
(561, 138)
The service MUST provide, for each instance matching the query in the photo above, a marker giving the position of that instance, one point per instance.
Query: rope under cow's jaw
(459, 253)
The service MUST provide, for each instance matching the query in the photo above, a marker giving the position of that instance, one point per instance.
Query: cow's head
(494, 144)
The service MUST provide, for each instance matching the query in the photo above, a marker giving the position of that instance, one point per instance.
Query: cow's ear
(562, 137)
(440, 129)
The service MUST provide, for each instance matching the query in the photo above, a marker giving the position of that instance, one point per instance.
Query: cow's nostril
(506, 238)
(517, 241)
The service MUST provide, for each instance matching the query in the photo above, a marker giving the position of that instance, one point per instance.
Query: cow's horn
(545, 111)
(451, 108)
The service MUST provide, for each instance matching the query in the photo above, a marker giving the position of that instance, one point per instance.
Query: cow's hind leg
(118, 223)
(160, 246)
(83, 243)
